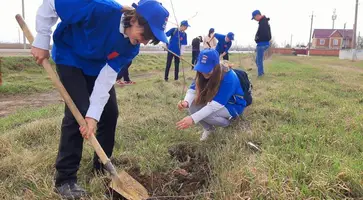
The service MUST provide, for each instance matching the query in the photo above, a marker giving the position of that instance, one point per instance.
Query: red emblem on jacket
(112, 55)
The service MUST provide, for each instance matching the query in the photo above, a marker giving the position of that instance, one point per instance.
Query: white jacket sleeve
(100, 95)
(46, 17)
(189, 97)
(210, 108)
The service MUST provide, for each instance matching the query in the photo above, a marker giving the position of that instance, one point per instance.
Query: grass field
(306, 117)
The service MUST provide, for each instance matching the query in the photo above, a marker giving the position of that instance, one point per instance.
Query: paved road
(26, 52)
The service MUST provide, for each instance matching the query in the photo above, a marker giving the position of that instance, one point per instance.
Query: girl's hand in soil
(185, 123)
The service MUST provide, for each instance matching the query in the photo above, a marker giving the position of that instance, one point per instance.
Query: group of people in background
(219, 110)
(220, 42)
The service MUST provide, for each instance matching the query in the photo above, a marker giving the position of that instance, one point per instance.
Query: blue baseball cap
(254, 13)
(156, 16)
(207, 60)
(184, 23)
(230, 35)
(211, 30)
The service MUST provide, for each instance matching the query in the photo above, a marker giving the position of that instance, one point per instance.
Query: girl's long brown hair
(206, 89)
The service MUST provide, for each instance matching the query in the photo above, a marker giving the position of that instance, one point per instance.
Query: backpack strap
(174, 32)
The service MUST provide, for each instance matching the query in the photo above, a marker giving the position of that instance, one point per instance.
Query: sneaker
(120, 83)
(129, 82)
(70, 191)
(205, 135)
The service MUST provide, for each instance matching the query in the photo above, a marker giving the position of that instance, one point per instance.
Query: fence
(348, 54)
(313, 52)
(1, 79)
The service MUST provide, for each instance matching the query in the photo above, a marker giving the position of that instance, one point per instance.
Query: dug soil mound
(183, 182)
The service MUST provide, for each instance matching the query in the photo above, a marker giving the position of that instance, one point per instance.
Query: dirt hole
(183, 182)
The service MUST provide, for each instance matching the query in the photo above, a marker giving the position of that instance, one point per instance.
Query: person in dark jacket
(262, 38)
(196, 49)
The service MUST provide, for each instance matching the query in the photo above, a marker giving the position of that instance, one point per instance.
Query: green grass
(306, 117)
(21, 75)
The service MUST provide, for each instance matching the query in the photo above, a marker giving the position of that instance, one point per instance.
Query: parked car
(300, 51)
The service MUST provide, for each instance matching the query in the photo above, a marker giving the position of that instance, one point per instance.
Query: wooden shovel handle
(178, 56)
(63, 92)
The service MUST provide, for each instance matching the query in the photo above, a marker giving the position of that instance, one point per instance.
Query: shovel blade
(128, 187)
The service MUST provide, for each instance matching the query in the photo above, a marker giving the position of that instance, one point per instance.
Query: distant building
(332, 39)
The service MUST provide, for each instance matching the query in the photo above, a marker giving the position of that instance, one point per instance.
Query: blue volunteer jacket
(88, 36)
(230, 94)
(174, 42)
(222, 45)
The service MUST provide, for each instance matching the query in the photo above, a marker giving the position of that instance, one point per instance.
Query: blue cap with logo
(211, 30)
(184, 23)
(230, 35)
(156, 16)
(254, 13)
(207, 60)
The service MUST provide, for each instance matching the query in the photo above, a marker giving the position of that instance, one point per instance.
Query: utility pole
(334, 17)
(291, 41)
(23, 12)
(354, 57)
(311, 29)
(19, 35)
(343, 42)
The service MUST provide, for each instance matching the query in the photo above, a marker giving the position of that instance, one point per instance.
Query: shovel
(122, 183)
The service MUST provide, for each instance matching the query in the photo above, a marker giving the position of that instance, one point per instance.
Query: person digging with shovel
(215, 96)
(91, 43)
(224, 44)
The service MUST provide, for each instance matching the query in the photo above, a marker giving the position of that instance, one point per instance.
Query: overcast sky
(288, 17)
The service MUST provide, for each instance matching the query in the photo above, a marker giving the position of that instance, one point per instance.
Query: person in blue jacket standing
(177, 43)
(224, 44)
(215, 96)
(262, 38)
(91, 43)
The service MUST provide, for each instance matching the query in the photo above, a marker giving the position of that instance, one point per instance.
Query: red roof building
(332, 38)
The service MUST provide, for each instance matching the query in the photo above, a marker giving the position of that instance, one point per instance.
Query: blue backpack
(245, 84)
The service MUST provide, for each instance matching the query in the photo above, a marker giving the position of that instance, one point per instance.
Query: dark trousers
(168, 65)
(79, 86)
(225, 57)
(124, 73)
(195, 55)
